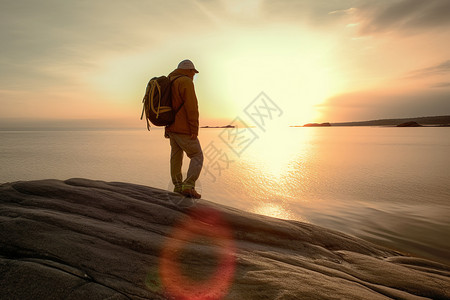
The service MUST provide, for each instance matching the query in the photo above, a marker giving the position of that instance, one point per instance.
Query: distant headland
(434, 121)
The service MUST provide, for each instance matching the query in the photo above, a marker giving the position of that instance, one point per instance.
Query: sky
(318, 61)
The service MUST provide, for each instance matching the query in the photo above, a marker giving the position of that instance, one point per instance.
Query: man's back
(183, 91)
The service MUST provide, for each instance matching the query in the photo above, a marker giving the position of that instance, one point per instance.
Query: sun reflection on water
(273, 210)
(275, 170)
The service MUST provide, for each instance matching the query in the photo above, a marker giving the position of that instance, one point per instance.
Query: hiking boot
(191, 192)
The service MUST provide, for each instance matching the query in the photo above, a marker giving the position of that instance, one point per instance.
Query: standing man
(183, 132)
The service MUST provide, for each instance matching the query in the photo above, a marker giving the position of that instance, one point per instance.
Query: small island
(226, 126)
(327, 124)
(409, 124)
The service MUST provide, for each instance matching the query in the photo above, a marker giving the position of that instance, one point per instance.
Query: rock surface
(84, 239)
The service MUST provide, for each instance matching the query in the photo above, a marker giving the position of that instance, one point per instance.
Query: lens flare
(202, 223)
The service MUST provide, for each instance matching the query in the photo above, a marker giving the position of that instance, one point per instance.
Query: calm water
(387, 185)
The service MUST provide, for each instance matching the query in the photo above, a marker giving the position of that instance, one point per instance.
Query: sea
(387, 185)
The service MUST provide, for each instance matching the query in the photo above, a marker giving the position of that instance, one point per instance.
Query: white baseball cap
(187, 65)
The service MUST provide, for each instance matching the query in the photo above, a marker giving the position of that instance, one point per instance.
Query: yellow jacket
(186, 120)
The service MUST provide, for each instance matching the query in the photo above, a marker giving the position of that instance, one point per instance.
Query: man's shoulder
(183, 80)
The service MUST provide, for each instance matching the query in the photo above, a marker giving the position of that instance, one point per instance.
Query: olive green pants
(179, 144)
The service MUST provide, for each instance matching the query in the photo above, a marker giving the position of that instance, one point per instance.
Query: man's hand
(193, 136)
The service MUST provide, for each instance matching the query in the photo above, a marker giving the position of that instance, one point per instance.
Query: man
(183, 132)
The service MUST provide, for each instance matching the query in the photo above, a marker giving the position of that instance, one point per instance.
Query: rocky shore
(85, 239)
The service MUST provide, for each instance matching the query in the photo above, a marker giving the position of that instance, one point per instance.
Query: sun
(294, 69)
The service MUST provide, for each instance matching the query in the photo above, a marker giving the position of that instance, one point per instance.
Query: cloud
(441, 85)
(405, 15)
(49, 41)
(432, 75)
(439, 69)
(318, 14)
(347, 11)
